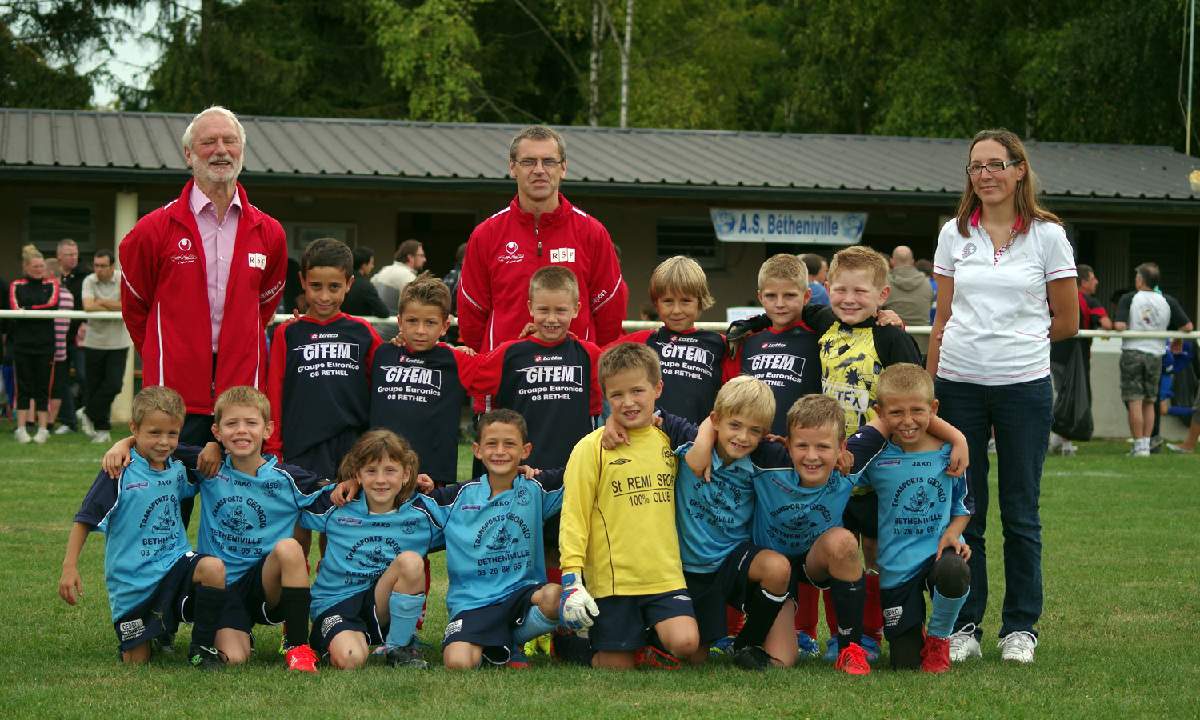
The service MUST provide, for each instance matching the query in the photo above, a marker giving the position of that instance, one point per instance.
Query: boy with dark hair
(362, 299)
(154, 579)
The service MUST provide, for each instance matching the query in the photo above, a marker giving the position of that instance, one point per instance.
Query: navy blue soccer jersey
(494, 544)
(917, 500)
(318, 381)
(554, 387)
(691, 365)
(244, 516)
(786, 360)
(363, 544)
(419, 396)
(144, 535)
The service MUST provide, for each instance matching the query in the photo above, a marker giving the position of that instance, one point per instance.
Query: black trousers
(104, 375)
(34, 374)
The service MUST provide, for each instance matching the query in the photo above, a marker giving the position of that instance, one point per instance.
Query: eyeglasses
(547, 163)
(992, 167)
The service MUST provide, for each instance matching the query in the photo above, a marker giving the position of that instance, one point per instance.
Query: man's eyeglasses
(992, 167)
(547, 163)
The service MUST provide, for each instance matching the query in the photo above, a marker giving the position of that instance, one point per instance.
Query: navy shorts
(491, 626)
(800, 573)
(355, 613)
(624, 620)
(861, 516)
(904, 605)
(169, 604)
(245, 602)
(713, 592)
(324, 458)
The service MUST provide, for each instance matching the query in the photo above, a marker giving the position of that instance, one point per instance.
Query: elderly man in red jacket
(201, 277)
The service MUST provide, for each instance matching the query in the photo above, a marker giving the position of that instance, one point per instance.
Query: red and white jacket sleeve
(486, 381)
(609, 293)
(139, 282)
(274, 278)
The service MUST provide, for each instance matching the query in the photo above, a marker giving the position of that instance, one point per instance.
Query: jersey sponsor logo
(470, 507)
(547, 358)
(137, 485)
(892, 615)
(409, 375)
(919, 502)
(257, 260)
(452, 628)
(325, 336)
(131, 629)
(671, 351)
(570, 375)
(523, 496)
(512, 253)
(329, 623)
(329, 351)
(562, 255)
(887, 463)
(785, 363)
(619, 461)
(968, 250)
(769, 344)
(351, 521)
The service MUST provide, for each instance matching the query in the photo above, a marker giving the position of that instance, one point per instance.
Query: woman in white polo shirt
(1006, 288)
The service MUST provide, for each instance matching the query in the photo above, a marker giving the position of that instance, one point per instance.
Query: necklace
(999, 252)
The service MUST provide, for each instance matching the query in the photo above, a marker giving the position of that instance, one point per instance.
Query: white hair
(218, 110)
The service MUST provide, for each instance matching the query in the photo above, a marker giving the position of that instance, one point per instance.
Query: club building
(728, 199)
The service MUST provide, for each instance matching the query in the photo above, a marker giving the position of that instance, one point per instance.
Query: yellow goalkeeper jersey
(618, 515)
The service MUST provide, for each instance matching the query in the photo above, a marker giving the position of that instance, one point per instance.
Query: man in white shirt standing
(1141, 358)
(105, 347)
(391, 281)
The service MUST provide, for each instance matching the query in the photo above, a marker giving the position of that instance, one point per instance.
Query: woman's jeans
(1020, 415)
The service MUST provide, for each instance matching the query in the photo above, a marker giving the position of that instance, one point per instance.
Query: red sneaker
(852, 660)
(935, 655)
(652, 657)
(301, 659)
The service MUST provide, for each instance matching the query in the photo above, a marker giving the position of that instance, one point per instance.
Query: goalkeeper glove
(576, 608)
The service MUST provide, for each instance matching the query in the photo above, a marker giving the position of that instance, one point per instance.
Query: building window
(49, 223)
(691, 237)
(300, 234)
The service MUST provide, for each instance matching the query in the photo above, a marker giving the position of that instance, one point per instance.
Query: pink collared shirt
(218, 239)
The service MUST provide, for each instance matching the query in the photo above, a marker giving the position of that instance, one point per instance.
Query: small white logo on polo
(185, 244)
(257, 260)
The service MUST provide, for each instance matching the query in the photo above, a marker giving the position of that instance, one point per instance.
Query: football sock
(209, 603)
(735, 620)
(872, 607)
(293, 607)
(807, 598)
(404, 611)
(944, 613)
(830, 613)
(535, 624)
(848, 600)
(761, 610)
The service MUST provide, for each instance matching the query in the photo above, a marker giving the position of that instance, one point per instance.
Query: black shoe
(166, 643)
(205, 658)
(752, 657)
(407, 656)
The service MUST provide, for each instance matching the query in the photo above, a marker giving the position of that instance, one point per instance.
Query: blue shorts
(169, 604)
(356, 614)
(728, 585)
(245, 602)
(491, 626)
(624, 620)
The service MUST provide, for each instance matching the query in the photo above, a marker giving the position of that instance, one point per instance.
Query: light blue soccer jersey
(494, 544)
(144, 536)
(362, 545)
(244, 516)
(713, 517)
(917, 499)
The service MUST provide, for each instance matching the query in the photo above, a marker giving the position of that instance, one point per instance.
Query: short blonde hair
(374, 446)
(786, 267)
(554, 278)
(816, 411)
(748, 396)
(245, 396)
(904, 379)
(157, 398)
(629, 356)
(682, 275)
(860, 257)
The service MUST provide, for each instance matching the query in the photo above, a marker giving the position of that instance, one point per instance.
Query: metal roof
(297, 149)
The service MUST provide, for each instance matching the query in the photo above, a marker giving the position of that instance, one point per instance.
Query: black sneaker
(752, 657)
(407, 656)
(205, 658)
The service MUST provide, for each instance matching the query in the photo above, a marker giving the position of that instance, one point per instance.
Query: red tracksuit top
(164, 301)
(506, 249)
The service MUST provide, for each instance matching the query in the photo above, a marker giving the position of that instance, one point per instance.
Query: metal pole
(1187, 145)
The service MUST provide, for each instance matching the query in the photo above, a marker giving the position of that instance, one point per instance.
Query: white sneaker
(1179, 449)
(1067, 449)
(41, 436)
(963, 645)
(62, 430)
(1138, 451)
(22, 435)
(1018, 646)
(85, 422)
(1056, 442)
(101, 436)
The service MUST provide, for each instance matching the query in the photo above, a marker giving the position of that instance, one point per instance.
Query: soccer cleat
(408, 656)
(852, 660)
(935, 655)
(1018, 646)
(1138, 451)
(301, 658)
(871, 646)
(831, 650)
(808, 645)
(85, 422)
(752, 657)
(517, 659)
(41, 436)
(652, 657)
(205, 658)
(724, 646)
(102, 437)
(22, 435)
(964, 645)
(1179, 449)
(63, 430)
(540, 645)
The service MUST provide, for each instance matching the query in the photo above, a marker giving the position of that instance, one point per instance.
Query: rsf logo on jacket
(257, 260)
(562, 255)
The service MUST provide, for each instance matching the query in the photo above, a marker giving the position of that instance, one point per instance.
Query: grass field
(1118, 635)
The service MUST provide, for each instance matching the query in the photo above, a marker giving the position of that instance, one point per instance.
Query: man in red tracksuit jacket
(538, 228)
(202, 276)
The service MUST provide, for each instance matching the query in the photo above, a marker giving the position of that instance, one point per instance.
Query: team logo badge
(968, 250)
(185, 244)
(510, 248)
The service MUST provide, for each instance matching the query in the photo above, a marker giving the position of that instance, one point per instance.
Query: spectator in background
(390, 282)
(293, 291)
(1141, 358)
(926, 266)
(60, 376)
(912, 295)
(70, 276)
(105, 347)
(817, 270)
(32, 343)
(1092, 315)
(451, 280)
(362, 299)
